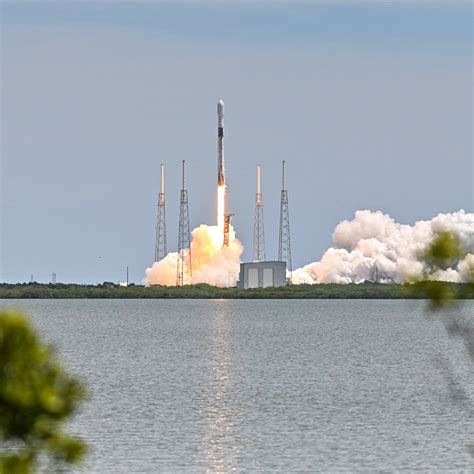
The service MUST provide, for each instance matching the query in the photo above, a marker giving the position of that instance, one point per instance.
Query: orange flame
(211, 262)
(221, 212)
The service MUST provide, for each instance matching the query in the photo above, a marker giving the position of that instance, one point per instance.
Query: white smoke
(373, 247)
(212, 263)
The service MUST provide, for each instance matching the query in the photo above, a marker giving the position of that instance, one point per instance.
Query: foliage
(203, 291)
(36, 396)
(444, 252)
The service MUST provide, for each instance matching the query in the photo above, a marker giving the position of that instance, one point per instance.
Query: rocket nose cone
(220, 107)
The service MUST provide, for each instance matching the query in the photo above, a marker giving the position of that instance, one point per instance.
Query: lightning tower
(284, 244)
(184, 271)
(258, 229)
(160, 239)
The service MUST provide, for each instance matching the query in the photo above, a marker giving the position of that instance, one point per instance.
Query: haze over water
(190, 385)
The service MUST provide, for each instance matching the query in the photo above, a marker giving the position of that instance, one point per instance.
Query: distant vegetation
(202, 291)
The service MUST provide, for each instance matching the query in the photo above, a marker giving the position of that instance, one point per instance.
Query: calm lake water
(192, 385)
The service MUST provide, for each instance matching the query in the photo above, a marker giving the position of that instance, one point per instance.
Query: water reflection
(222, 449)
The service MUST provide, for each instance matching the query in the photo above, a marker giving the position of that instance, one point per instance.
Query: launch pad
(215, 257)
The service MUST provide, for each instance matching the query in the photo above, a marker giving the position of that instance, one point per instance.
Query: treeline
(202, 291)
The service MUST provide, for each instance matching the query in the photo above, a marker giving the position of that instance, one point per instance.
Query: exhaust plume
(211, 262)
(373, 247)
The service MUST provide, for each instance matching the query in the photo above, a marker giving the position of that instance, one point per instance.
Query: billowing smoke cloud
(211, 262)
(373, 247)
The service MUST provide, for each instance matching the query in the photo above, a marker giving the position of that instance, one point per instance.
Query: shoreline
(202, 291)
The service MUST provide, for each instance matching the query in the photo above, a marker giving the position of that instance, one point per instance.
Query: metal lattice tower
(284, 243)
(258, 228)
(227, 219)
(160, 240)
(184, 270)
(53, 278)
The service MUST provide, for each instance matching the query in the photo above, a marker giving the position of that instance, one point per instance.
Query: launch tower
(258, 228)
(227, 219)
(184, 270)
(160, 238)
(284, 244)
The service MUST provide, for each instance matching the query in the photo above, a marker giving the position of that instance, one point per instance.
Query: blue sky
(369, 103)
(335, 21)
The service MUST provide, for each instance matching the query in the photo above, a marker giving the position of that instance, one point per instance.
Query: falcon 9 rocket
(220, 144)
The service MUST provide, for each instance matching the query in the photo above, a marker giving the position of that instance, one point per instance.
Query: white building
(262, 274)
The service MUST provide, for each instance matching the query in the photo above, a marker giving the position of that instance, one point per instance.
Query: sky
(369, 103)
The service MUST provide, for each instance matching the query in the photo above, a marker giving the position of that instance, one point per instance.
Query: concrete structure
(262, 274)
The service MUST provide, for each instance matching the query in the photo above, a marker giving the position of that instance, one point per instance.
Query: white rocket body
(220, 143)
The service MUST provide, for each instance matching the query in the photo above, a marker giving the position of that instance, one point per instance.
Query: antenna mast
(160, 239)
(184, 269)
(284, 244)
(258, 227)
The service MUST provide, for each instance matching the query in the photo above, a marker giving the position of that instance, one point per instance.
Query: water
(192, 385)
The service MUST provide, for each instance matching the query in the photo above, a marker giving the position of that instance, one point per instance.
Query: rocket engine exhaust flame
(221, 210)
(211, 262)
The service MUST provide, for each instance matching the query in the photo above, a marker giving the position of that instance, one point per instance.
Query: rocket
(220, 144)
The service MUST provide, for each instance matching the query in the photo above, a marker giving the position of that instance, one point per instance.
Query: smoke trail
(373, 247)
(211, 262)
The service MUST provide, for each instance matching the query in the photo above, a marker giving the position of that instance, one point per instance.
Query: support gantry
(258, 227)
(160, 236)
(284, 242)
(184, 267)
